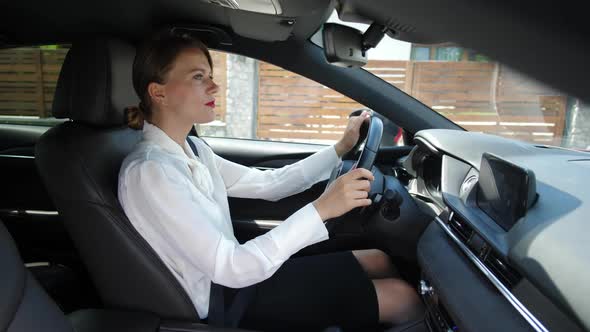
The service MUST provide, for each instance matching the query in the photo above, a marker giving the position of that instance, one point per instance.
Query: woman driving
(177, 200)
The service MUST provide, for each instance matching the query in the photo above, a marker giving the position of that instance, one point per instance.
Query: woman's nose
(213, 88)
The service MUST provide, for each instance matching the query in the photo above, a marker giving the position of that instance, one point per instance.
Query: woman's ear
(157, 93)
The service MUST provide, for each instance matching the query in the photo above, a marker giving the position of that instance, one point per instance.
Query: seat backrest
(24, 305)
(79, 162)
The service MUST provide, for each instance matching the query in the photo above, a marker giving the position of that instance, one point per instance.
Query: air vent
(460, 228)
(492, 260)
(507, 275)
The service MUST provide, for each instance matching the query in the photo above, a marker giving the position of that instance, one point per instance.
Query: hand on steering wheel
(354, 133)
(369, 151)
(366, 158)
(346, 193)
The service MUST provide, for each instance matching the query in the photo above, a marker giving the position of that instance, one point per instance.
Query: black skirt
(312, 293)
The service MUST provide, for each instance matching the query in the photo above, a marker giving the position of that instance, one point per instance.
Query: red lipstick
(211, 103)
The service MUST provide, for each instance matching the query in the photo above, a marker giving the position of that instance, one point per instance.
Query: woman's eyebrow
(192, 70)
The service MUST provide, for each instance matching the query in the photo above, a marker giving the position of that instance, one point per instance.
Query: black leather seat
(25, 307)
(21, 297)
(79, 162)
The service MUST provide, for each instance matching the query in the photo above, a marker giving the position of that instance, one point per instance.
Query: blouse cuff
(303, 228)
(319, 165)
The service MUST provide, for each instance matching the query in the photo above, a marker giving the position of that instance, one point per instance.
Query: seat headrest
(95, 84)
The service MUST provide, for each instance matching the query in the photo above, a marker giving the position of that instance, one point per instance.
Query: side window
(258, 100)
(28, 77)
(420, 53)
(449, 53)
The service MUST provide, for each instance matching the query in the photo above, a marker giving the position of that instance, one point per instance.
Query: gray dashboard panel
(550, 244)
(474, 304)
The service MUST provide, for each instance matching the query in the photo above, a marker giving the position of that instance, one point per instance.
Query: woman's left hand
(351, 133)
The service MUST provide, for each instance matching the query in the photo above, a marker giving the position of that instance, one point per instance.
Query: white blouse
(178, 203)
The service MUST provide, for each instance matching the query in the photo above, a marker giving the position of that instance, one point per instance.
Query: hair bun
(135, 117)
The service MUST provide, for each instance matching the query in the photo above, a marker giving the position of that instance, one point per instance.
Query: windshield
(480, 94)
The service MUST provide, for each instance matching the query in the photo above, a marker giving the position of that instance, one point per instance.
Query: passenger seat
(25, 307)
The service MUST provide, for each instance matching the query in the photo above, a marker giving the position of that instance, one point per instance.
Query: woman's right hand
(349, 191)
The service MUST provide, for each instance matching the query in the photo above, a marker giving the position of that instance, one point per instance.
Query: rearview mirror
(343, 45)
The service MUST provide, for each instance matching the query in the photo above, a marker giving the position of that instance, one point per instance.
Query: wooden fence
(293, 107)
(27, 80)
(28, 77)
(491, 98)
(220, 76)
(484, 97)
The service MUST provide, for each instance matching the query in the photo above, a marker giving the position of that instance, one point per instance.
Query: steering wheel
(369, 151)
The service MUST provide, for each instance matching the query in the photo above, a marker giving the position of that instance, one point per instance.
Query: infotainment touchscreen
(505, 190)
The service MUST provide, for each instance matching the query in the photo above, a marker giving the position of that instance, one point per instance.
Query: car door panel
(25, 206)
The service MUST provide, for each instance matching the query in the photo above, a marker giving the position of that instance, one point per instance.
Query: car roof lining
(30, 22)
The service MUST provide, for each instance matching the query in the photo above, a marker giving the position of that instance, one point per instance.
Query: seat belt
(239, 305)
(218, 317)
(192, 145)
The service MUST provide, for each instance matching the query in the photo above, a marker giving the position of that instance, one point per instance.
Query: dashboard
(485, 270)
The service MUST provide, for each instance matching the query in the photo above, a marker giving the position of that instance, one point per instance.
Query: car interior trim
(428, 145)
(28, 212)
(526, 314)
(268, 223)
(263, 223)
(16, 156)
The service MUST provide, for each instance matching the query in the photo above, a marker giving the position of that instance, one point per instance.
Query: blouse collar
(154, 134)
(199, 172)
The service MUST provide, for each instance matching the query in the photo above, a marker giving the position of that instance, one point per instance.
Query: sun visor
(260, 26)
